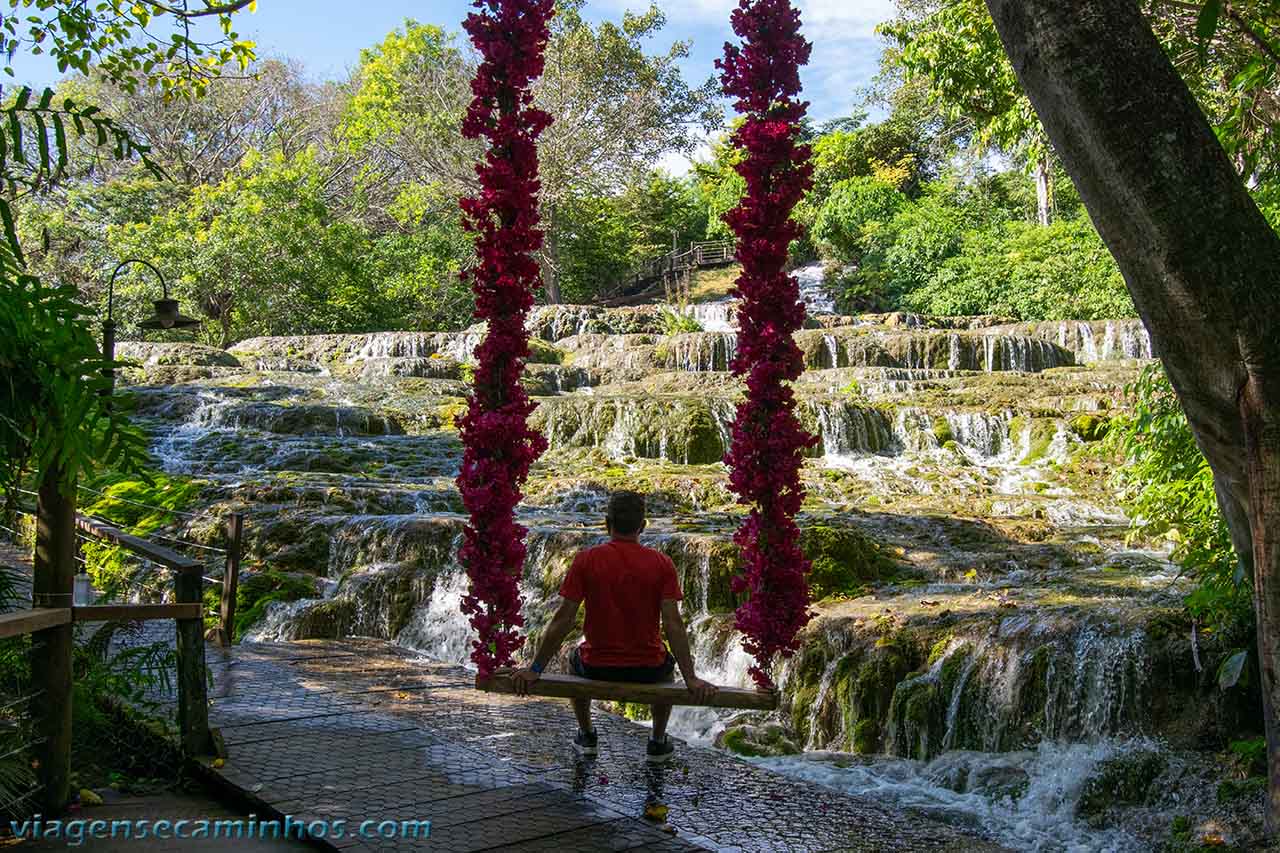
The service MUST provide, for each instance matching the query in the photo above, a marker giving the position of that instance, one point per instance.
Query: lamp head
(167, 316)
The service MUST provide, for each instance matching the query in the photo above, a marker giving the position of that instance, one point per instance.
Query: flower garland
(499, 446)
(768, 441)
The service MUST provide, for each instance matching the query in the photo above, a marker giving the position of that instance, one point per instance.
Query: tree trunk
(1261, 416)
(550, 263)
(1200, 261)
(550, 284)
(1043, 191)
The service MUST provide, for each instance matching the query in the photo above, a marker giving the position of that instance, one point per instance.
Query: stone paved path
(360, 729)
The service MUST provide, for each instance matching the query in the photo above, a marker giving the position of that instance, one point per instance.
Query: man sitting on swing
(626, 587)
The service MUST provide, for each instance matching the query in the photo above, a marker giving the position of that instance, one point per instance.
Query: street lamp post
(167, 316)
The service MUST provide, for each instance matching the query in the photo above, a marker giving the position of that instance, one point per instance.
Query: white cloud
(846, 49)
(841, 20)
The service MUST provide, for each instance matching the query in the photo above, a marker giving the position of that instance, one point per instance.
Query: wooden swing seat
(562, 686)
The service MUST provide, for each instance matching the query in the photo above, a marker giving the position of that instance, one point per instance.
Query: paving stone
(362, 730)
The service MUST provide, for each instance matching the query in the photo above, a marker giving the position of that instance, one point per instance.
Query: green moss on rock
(844, 560)
(1121, 781)
(1090, 427)
(942, 431)
(757, 741)
(258, 590)
(541, 352)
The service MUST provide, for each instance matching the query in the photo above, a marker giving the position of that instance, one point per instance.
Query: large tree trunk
(1201, 263)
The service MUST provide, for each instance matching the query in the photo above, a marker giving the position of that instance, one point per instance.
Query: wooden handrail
(136, 612)
(148, 550)
(29, 621)
(701, 253)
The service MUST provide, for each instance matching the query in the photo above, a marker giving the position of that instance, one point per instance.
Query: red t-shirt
(623, 584)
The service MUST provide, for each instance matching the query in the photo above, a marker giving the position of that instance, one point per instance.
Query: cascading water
(1023, 800)
(719, 316)
(813, 288)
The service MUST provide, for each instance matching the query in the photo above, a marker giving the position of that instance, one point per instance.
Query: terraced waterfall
(986, 642)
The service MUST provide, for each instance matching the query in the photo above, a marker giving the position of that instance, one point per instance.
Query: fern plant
(17, 781)
(52, 376)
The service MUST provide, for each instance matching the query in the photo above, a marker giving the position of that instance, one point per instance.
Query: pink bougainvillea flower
(762, 75)
(498, 444)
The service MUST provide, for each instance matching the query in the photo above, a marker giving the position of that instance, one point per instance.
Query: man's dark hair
(626, 513)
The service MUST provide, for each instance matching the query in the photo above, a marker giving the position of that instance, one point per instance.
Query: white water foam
(1024, 800)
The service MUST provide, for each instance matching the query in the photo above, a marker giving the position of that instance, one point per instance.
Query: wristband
(537, 667)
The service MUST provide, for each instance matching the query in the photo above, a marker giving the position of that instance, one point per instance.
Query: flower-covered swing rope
(768, 441)
(763, 75)
(499, 446)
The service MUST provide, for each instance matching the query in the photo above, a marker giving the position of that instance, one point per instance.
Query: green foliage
(967, 247)
(618, 108)
(16, 778)
(901, 255)
(389, 101)
(51, 412)
(954, 46)
(1167, 486)
(603, 236)
(678, 323)
(855, 207)
(52, 417)
(118, 40)
(262, 253)
(952, 49)
(1030, 272)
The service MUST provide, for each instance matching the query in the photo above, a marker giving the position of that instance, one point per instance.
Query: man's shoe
(585, 742)
(660, 750)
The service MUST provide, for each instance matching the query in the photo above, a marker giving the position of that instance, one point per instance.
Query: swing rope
(768, 442)
(498, 444)
(767, 450)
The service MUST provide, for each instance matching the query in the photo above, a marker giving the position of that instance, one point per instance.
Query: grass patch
(714, 283)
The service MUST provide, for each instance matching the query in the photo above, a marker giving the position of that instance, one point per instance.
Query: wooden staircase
(669, 270)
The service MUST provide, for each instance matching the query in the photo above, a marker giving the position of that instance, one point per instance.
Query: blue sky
(327, 36)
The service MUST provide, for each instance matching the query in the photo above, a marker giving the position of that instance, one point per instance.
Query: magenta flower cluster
(498, 444)
(767, 451)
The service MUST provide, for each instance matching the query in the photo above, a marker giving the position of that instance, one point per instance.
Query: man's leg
(661, 714)
(582, 710)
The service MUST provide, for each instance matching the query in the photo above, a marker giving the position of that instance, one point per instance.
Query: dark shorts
(659, 674)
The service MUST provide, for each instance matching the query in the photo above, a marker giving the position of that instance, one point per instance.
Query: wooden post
(51, 653)
(231, 579)
(193, 700)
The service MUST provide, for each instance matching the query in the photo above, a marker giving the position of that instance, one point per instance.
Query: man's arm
(557, 629)
(678, 640)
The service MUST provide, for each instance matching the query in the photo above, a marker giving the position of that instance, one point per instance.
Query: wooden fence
(54, 613)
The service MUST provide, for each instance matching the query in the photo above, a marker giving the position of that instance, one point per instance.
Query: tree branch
(186, 14)
(1243, 26)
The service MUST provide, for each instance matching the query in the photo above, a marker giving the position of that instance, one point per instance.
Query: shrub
(855, 207)
(1167, 486)
(1032, 272)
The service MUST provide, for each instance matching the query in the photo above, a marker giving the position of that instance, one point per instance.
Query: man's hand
(702, 690)
(521, 679)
